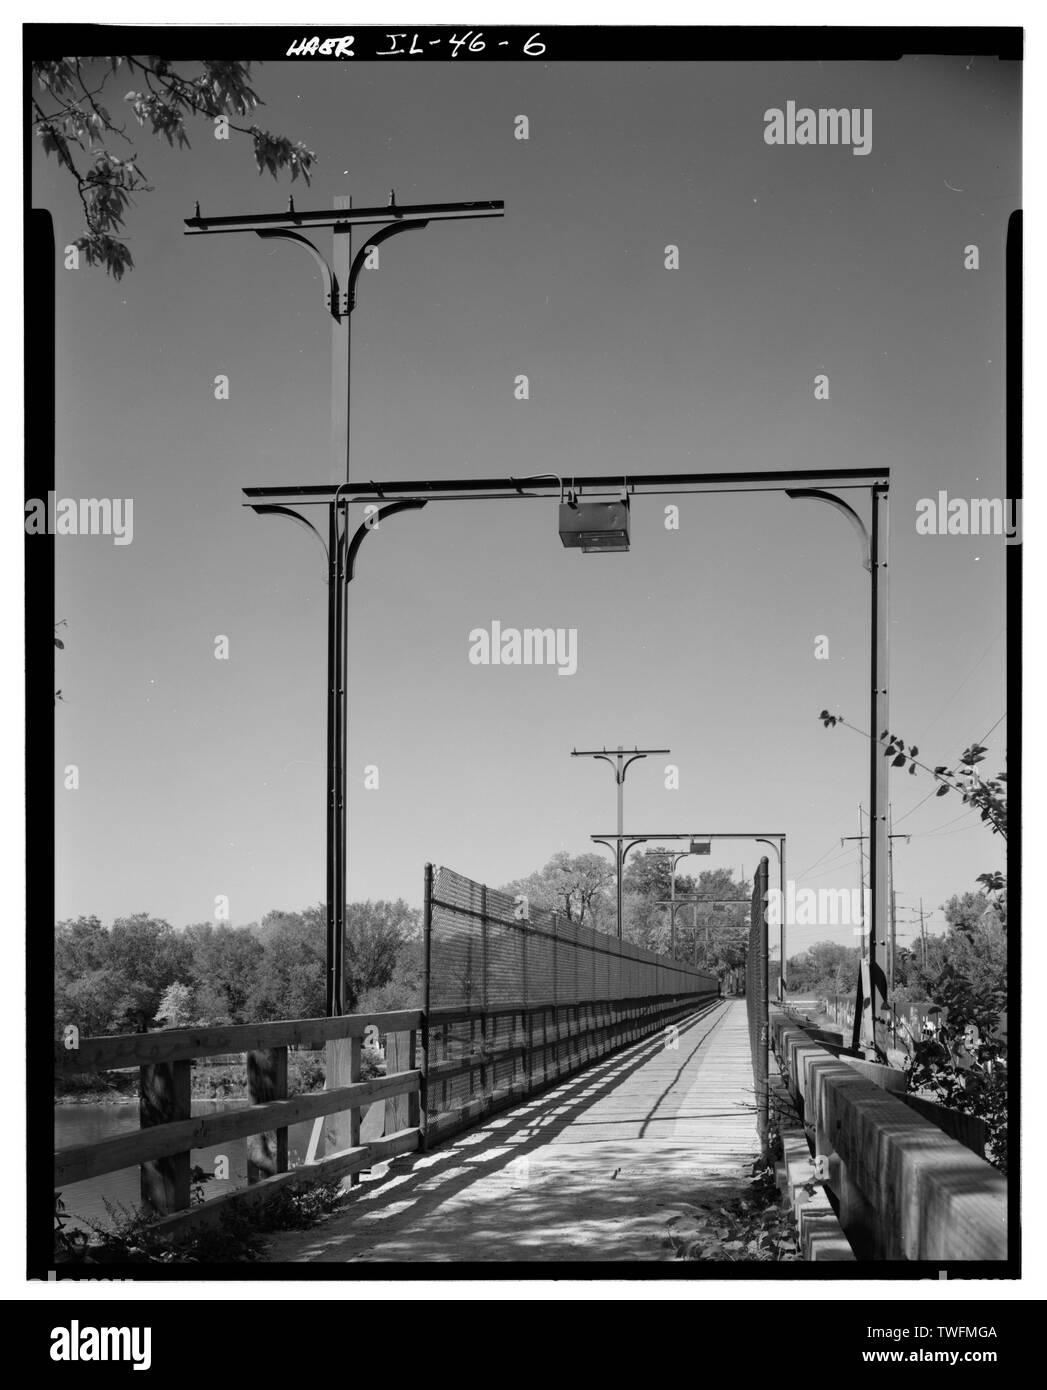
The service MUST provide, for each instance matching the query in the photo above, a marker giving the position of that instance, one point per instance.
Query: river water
(83, 1124)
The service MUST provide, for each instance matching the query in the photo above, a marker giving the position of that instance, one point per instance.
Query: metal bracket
(383, 234)
(334, 299)
(612, 758)
(363, 530)
(277, 509)
(611, 841)
(818, 495)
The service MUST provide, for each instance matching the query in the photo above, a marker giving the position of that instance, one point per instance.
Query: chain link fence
(519, 997)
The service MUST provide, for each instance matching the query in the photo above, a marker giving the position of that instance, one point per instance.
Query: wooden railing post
(266, 1080)
(525, 1019)
(165, 1089)
(414, 1108)
(342, 1129)
(401, 1054)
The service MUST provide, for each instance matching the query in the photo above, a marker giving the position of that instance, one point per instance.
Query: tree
(645, 923)
(717, 943)
(81, 944)
(176, 1006)
(973, 950)
(225, 965)
(74, 126)
(291, 977)
(375, 936)
(146, 955)
(650, 874)
(86, 988)
(646, 883)
(403, 989)
(721, 940)
(575, 886)
(965, 1066)
(825, 967)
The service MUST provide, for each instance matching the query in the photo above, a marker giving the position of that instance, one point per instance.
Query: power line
(834, 845)
(830, 868)
(956, 692)
(934, 790)
(999, 721)
(943, 830)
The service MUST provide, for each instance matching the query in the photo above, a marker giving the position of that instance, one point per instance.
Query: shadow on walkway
(518, 1187)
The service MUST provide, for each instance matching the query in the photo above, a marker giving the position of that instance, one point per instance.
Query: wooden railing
(168, 1131)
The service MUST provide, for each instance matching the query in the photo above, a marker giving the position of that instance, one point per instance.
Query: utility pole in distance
(923, 932)
(860, 837)
(893, 945)
(892, 936)
(620, 762)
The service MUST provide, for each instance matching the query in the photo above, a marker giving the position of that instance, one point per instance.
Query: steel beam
(705, 835)
(644, 484)
(874, 1027)
(324, 217)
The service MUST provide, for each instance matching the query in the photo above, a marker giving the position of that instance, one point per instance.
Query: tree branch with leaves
(988, 797)
(74, 126)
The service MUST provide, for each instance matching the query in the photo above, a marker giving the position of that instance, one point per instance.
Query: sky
(200, 778)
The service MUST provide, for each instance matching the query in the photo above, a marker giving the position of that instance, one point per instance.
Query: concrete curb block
(905, 1190)
(821, 1236)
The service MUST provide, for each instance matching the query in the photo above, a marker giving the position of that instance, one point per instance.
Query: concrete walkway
(600, 1167)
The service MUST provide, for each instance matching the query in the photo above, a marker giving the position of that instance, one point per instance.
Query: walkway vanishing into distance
(600, 1167)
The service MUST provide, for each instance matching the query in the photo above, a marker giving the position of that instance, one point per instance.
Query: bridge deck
(597, 1168)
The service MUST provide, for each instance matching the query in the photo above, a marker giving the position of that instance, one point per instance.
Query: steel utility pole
(341, 273)
(874, 536)
(923, 932)
(620, 762)
(894, 910)
(860, 837)
(777, 843)
(675, 858)
(923, 935)
(867, 944)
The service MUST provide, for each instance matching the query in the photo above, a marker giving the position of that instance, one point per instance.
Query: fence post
(165, 1089)
(414, 1120)
(756, 1000)
(427, 958)
(266, 1081)
(483, 992)
(528, 1035)
(342, 1129)
(556, 1004)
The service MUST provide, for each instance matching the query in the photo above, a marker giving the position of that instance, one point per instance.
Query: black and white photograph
(521, 718)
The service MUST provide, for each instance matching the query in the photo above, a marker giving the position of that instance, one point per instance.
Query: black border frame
(563, 43)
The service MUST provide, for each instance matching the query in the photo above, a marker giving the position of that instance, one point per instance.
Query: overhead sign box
(595, 526)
